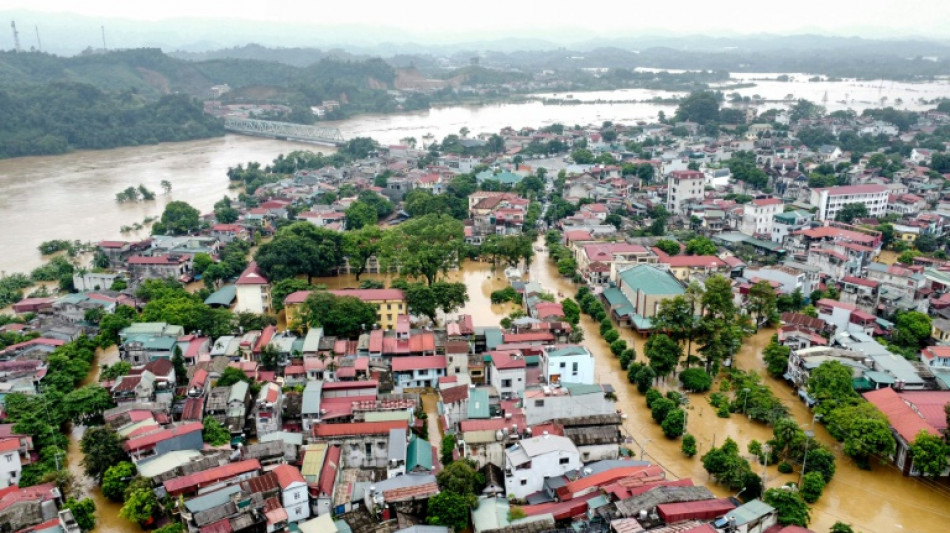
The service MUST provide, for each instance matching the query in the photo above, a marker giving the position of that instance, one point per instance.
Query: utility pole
(104, 38)
(16, 36)
(39, 44)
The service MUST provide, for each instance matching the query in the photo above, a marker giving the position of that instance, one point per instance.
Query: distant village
(398, 426)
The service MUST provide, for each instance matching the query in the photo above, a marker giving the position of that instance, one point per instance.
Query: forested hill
(52, 104)
(43, 119)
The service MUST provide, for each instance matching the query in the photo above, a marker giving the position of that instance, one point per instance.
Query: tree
(450, 509)
(830, 384)
(762, 303)
(102, 448)
(460, 477)
(820, 460)
(869, 437)
(178, 218)
(644, 378)
(911, 329)
(688, 446)
(696, 380)
(116, 480)
(701, 246)
(360, 245)
(925, 243)
(300, 248)
(284, 288)
(701, 107)
(726, 465)
(360, 214)
(813, 484)
(660, 408)
(166, 186)
(929, 453)
(776, 357)
(572, 312)
(583, 156)
(841, 527)
(84, 511)
(410, 246)
(674, 423)
(792, 509)
(804, 109)
(342, 316)
(200, 262)
(214, 433)
(140, 506)
(668, 246)
(86, 402)
(849, 212)
(447, 449)
(663, 353)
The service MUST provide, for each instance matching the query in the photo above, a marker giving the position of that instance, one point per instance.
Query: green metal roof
(493, 337)
(419, 454)
(478, 404)
(580, 389)
(618, 301)
(642, 322)
(752, 510)
(568, 351)
(223, 296)
(532, 360)
(651, 280)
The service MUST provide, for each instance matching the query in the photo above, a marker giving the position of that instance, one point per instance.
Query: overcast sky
(887, 18)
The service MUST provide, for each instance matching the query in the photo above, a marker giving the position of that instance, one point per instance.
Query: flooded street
(881, 500)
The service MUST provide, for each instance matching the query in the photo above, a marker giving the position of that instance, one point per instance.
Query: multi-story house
(253, 291)
(759, 215)
(293, 492)
(267, 409)
(507, 373)
(529, 462)
(418, 371)
(684, 187)
(362, 444)
(568, 364)
(831, 200)
(567, 401)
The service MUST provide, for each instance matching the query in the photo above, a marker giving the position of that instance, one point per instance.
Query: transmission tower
(104, 38)
(16, 36)
(39, 44)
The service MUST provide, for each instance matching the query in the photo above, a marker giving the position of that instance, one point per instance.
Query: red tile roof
(864, 282)
(155, 438)
(358, 428)
(371, 295)
(455, 394)
(328, 472)
(288, 475)
(194, 409)
(420, 362)
(583, 484)
(297, 297)
(252, 275)
(415, 492)
(901, 416)
(155, 260)
(853, 189)
(184, 484)
(510, 359)
(540, 336)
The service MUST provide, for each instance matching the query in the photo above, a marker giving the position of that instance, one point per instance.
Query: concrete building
(568, 364)
(530, 461)
(683, 187)
(10, 466)
(253, 291)
(293, 492)
(758, 216)
(567, 401)
(507, 373)
(831, 200)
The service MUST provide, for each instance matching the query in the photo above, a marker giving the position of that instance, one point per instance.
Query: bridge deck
(284, 130)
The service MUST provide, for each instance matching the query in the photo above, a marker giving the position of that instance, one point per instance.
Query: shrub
(645, 377)
(611, 335)
(784, 467)
(617, 347)
(813, 484)
(660, 408)
(696, 380)
(653, 395)
(723, 412)
(689, 445)
(674, 423)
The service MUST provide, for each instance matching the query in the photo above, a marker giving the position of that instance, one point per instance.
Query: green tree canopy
(460, 477)
(792, 509)
(668, 246)
(849, 212)
(663, 352)
(409, 246)
(701, 107)
(116, 480)
(911, 329)
(214, 433)
(360, 214)
(930, 454)
(360, 245)
(450, 509)
(341, 316)
(84, 511)
(301, 248)
(776, 357)
(178, 218)
(102, 448)
(701, 246)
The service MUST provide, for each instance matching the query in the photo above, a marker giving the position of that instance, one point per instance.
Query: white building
(253, 291)
(267, 409)
(507, 373)
(568, 364)
(568, 401)
(418, 371)
(10, 467)
(758, 216)
(784, 224)
(831, 200)
(791, 278)
(530, 461)
(293, 492)
(684, 186)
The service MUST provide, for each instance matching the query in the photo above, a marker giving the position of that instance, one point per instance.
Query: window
(539, 403)
(524, 482)
(297, 495)
(506, 383)
(369, 449)
(563, 365)
(564, 460)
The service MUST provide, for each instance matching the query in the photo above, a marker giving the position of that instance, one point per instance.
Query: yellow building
(390, 303)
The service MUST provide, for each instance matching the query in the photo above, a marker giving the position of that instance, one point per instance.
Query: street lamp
(766, 451)
(809, 434)
(745, 398)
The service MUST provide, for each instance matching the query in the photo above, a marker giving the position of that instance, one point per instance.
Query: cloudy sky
(846, 17)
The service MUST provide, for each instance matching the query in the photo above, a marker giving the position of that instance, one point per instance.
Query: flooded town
(600, 300)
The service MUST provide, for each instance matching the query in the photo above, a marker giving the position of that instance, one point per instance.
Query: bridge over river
(284, 130)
